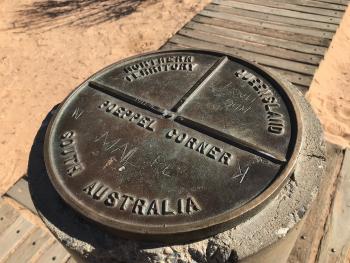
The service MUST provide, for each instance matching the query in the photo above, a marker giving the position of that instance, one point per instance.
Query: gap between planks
(299, 80)
(244, 42)
(295, 7)
(214, 18)
(258, 58)
(23, 241)
(273, 18)
(340, 2)
(306, 247)
(313, 3)
(263, 24)
(258, 7)
(253, 48)
(259, 39)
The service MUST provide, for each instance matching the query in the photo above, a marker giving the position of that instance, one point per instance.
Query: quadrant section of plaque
(159, 79)
(154, 171)
(239, 102)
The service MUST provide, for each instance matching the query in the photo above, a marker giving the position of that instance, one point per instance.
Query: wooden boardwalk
(23, 241)
(287, 36)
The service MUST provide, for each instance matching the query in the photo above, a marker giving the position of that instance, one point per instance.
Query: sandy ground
(329, 93)
(46, 50)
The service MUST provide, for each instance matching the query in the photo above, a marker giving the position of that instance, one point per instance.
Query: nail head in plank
(251, 46)
(303, 81)
(7, 216)
(281, 12)
(340, 2)
(305, 250)
(269, 41)
(262, 24)
(261, 59)
(273, 18)
(56, 253)
(293, 7)
(258, 30)
(335, 245)
(13, 236)
(313, 3)
(31, 245)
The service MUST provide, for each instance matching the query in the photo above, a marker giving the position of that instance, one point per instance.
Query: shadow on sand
(49, 14)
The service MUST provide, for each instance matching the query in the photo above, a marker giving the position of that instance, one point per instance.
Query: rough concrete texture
(90, 243)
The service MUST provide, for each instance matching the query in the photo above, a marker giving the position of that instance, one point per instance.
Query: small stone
(303, 237)
(282, 231)
(168, 251)
(333, 250)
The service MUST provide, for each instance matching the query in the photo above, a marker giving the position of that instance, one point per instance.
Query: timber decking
(287, 36)
(21, 241)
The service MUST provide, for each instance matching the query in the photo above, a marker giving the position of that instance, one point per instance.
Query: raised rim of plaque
(207, 226)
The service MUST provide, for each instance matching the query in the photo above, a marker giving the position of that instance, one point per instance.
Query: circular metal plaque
(181, 143)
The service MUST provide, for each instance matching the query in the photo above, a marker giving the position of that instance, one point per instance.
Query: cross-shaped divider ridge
(174, 112)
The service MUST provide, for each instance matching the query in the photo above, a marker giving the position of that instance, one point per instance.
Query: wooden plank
(262, 24)
(254, 48)
(303, 81)
(302, 89)
(288, 6)
(7, 216)
(335, 245)
(258, 30)
(265, 40)
(13, 236)
(272, 18)
(20, 192)
(38, 240)
(55, 253)
(314, 3)
(261, 59)
(71, 260)
(339, 2)
(170, 46)
(295, 78)
(281, 12)
(306, 247)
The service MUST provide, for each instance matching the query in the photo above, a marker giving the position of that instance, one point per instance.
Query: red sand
(329, 93)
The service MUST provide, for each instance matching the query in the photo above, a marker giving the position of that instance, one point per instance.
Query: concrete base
(272, 224)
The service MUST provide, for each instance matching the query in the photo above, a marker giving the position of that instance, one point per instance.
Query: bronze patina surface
(172, 144)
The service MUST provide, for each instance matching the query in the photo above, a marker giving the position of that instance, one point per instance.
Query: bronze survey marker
(173, 144)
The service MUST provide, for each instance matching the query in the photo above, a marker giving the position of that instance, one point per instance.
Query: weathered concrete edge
(274, 221)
